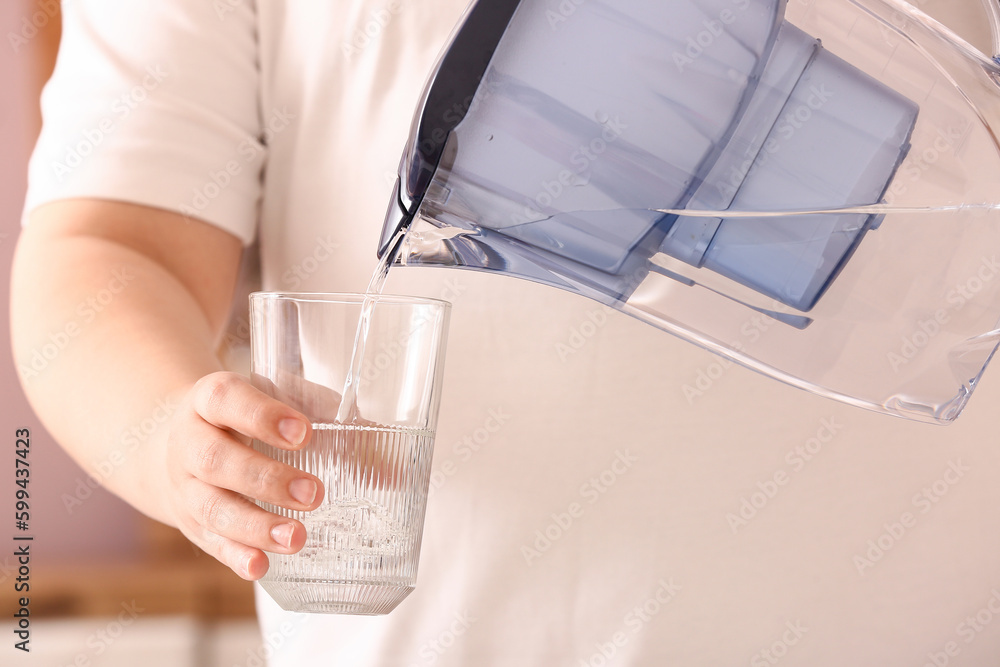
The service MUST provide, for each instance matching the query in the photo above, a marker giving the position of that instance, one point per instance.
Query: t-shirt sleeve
(155, 103)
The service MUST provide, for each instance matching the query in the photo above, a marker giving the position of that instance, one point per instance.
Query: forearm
(106, 341)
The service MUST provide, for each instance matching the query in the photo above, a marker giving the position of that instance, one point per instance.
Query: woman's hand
(212, 476)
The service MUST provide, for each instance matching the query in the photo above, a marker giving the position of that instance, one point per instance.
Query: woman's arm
(116, 312)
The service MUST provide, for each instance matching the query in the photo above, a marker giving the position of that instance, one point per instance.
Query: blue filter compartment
(838, 137)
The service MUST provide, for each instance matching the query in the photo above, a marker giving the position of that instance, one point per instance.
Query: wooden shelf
(173, 578)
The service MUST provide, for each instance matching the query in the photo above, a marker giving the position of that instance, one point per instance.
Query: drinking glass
(366, 370)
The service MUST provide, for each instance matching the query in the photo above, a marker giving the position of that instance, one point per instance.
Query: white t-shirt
(586, 510)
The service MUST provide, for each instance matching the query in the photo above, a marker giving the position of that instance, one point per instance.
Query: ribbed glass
(365, 370)
(363, 542)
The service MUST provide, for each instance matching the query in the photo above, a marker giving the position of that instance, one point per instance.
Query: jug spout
(448, 95)
(397, 218)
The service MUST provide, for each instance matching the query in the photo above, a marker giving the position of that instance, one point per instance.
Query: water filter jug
(827, 167)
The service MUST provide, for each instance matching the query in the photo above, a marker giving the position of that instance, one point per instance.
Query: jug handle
(992, 8)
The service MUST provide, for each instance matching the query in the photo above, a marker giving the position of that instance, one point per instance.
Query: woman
(607, 516)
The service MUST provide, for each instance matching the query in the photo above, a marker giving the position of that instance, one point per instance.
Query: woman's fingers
(248, 562)
(214, 476)
(219, 459)
(228, 401)
(230, 515)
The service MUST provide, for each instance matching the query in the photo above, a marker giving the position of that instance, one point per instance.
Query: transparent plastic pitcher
(809, 188)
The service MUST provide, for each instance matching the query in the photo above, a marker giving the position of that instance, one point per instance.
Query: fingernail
(303, 490)
(292, 430)
(282, 534)
(246, 566)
